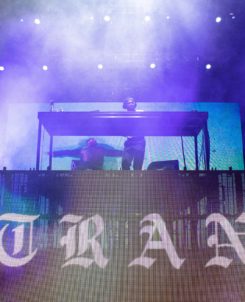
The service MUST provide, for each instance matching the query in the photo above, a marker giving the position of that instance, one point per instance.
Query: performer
(92, 156)
(134, 147)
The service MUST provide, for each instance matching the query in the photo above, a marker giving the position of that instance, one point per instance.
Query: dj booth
(136, 123)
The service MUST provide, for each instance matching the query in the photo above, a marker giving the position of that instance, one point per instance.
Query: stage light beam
(218, 19)
(107, 18)
(208, 66)
(100, 66)
(37, 21)
(2, 68)
(45, 68)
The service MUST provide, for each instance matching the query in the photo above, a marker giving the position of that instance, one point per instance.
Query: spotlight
(100, 66)
(168, 17)
(147, 18)
(37, 21)
(45, 67)
(21, 20)
(107, 18)
(208, 66)
(153, 65)
(218, 19)
(2, 68)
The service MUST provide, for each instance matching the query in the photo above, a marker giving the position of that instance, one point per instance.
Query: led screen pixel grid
(224, 128)
(121, 199)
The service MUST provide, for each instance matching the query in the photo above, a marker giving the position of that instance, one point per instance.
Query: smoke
(20, 91)
(73, 38)
(180, 37)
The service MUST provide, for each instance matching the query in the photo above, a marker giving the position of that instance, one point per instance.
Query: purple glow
(208, 66)
(2, 68)
(100, 66)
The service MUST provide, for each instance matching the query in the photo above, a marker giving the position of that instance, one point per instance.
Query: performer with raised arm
(134, 147)
(92, 156)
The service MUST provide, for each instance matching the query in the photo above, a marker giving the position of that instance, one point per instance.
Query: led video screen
(121, 236)
(19, 148)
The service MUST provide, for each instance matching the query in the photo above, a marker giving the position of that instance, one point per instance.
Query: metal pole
(38, 145)
(50, 152)
(196, 152)
(207, 145)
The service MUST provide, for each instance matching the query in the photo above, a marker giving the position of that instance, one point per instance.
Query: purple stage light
(21, 20)
(2, 68)
(100, 66)
(208, 66)
(45, 67)
(218, 19)
(168, 17)
(37, 21)
(147, 18)
(107, 18)
(153, 65)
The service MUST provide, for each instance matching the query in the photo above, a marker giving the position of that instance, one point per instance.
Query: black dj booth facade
(136, 123)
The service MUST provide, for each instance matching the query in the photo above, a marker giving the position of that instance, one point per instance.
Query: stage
(122, 175)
